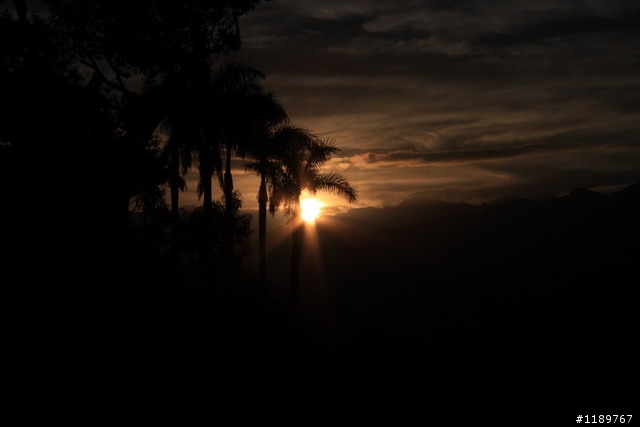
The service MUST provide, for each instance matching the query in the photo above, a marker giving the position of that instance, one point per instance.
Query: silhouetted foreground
(429, 313)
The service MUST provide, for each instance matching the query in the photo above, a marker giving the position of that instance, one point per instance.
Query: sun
(311, 208)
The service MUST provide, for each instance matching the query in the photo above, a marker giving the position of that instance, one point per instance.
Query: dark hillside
(423, 308)
(514, 295)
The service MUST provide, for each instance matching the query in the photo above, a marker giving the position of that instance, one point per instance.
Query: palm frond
(335, 183)
(320, 151)
(232, 77)
(253, 168)
(180, 182)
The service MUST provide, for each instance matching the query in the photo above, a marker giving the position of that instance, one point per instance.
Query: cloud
(442, 97)
(387, 178)
(453, 156)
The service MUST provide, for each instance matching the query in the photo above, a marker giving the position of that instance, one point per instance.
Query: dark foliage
(519, 304)
(204, 249)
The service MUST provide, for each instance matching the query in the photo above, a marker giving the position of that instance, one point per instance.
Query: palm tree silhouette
(269, 152)
(212, 114)
(299, 169)
(241, 104)
(182, 105)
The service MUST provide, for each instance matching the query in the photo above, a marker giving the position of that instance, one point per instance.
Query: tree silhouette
(149, 38)
(180, 101)
(238, 92)
(47, 117)
(271, 133)
(127, 48)
(211, 114)
(300, 169)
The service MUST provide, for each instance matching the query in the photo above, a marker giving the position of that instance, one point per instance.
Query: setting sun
(311, 208)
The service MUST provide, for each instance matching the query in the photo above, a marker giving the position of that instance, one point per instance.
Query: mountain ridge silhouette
(508, 292)
(577, 195)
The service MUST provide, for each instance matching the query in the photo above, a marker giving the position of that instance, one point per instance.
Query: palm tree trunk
(206, 174)
(262, 231)
(175, 196)
(228, 255)
(228, 183)
(296, 257)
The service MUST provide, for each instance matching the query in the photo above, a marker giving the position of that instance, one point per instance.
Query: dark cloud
(471, 83)
(459, 155)
(566, 27)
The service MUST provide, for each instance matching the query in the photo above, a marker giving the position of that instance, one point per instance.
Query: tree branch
(118, 76)
(118, 86)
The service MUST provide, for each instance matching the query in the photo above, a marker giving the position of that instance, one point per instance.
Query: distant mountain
(577, 198)
(514, 286)
(583, 236)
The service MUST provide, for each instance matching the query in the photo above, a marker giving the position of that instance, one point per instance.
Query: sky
(462, 101)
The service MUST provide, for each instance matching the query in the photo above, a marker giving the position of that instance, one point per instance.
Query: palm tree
(208, 114)
(213, 114)
(300, 169)
(246, 111)
(236, 87)
(180, 122)
(270, 130)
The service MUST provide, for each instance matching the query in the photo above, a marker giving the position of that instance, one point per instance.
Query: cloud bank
(465, 101)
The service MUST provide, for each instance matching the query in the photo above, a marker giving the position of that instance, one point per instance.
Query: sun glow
(311, 209)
